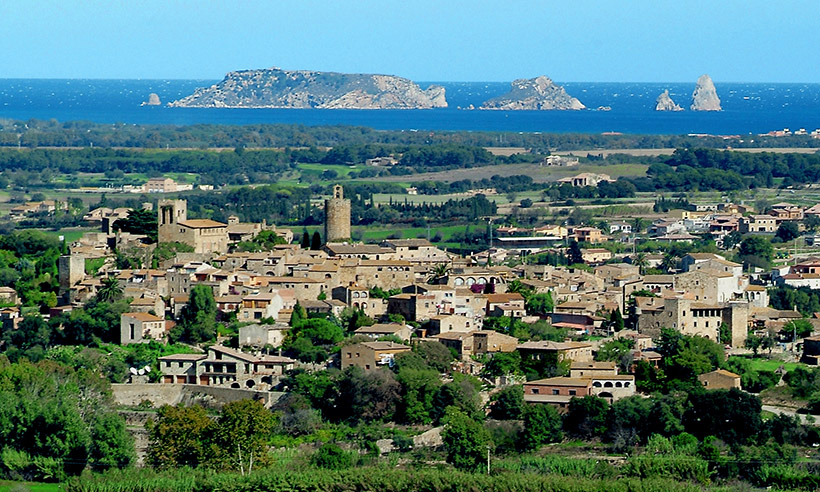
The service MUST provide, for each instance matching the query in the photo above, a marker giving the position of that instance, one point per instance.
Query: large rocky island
(277, 88)
(539, 93)
(705, 97)
(665, 103)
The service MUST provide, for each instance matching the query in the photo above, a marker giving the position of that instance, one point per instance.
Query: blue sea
(748, 108)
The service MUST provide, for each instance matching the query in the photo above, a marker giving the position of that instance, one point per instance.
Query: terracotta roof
(201, 223)
(143, 316)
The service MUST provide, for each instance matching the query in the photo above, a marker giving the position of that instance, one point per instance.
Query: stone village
(441, 297)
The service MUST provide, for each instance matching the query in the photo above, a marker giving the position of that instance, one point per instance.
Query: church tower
(337, 216)
(169, 214)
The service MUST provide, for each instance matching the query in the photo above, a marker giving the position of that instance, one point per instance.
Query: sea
(749, 108)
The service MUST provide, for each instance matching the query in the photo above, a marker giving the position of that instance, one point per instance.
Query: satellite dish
(133, 371)
(141, 372)
(147, 368)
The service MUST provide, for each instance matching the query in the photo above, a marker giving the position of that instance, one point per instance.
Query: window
(554, 392)
(535, 391)
(572, 392)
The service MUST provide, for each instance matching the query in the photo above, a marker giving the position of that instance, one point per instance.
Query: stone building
(337, 216)
(204, 235)
(140, 328)
(370, 355)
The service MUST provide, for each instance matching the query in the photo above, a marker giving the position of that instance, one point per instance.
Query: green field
(6, 486)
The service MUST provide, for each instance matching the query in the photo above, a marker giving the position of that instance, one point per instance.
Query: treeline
(52, 133)
(56, 422)
(709, 169)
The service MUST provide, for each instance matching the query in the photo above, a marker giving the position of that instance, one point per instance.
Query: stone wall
(172, 394)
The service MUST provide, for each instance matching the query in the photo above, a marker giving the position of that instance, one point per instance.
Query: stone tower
(337, 216)
(169, 214)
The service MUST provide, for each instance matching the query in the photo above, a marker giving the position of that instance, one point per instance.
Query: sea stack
(665, 103)
(153, 100)
(539, 93)
(705, 97)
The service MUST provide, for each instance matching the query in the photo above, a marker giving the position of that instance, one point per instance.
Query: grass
(763, 363)
(539, 174)
(6, 486)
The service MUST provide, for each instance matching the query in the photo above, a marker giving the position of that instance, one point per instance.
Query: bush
(332, 457)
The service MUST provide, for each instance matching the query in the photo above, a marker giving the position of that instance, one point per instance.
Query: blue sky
(425, 40)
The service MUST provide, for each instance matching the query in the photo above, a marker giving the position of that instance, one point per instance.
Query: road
(804, 418)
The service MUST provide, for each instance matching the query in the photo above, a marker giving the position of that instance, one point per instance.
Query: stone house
(141, 328)
(257, 335)
(379, 330)
(720, 379)
(371, 355)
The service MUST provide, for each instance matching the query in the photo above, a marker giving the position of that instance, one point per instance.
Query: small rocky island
(278, 88)
(539, 93)
(705, 97)
(665, 103)
(153, 100)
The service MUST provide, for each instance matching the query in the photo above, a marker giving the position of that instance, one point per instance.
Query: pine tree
(316, 243)
(305, 240)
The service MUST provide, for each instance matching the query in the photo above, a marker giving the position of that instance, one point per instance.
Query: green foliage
(751, 379)
(368, 395)
(241, 435)
(507, 403)
(264, 241)
(787, 231)
(574, 253)
(435, 354)
(687, 357)
(419, 386)
(197, 322)
(502, 364)
(540, 304)
(110, 290)
(616, 321)
(166, 251)
(542, 425)
(756, 251)
(615, 350)
(803, 381)
(627, 422)
(586, 417)
(732, 415)
(380, 293)
(332, 457)
(179, 437)
(465, 441)
(461, 394)
(55, 421)
(139, 221)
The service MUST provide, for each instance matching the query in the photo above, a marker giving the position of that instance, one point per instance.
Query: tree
(640, 261)
(316, 242)
(756, 251)
(110, 290)
(139, 221)
(574, 253)
(586, 417)
(799, 328)
(732, 239)
(540, 304)
(331, 457)
(198, 318)
(438, 273)
(732, 415)
(787, 231)
(419, 387)
(669, 263)
(306, 240)
(508, 403)
(503, 364)
(368, 395)
(812, 222)
(465, 440)
(242, 433)
(462, 394)
(616, 320)
(297, 315)
(436, 355)
(179, 437)
(542, 425)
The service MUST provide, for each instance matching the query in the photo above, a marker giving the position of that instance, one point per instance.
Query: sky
(424, 40)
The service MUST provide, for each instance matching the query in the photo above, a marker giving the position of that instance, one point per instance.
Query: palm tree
(640, 261)
(669, 262)
(438, 272)
(110, 290)
(638, 225)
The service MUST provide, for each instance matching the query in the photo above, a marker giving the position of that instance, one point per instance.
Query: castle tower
(337, 216)
(169, 214)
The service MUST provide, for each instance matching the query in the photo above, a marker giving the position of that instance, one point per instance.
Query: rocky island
(539, 93)
(278, 88)
(153, 100)
(665, 103)
(705, 97)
